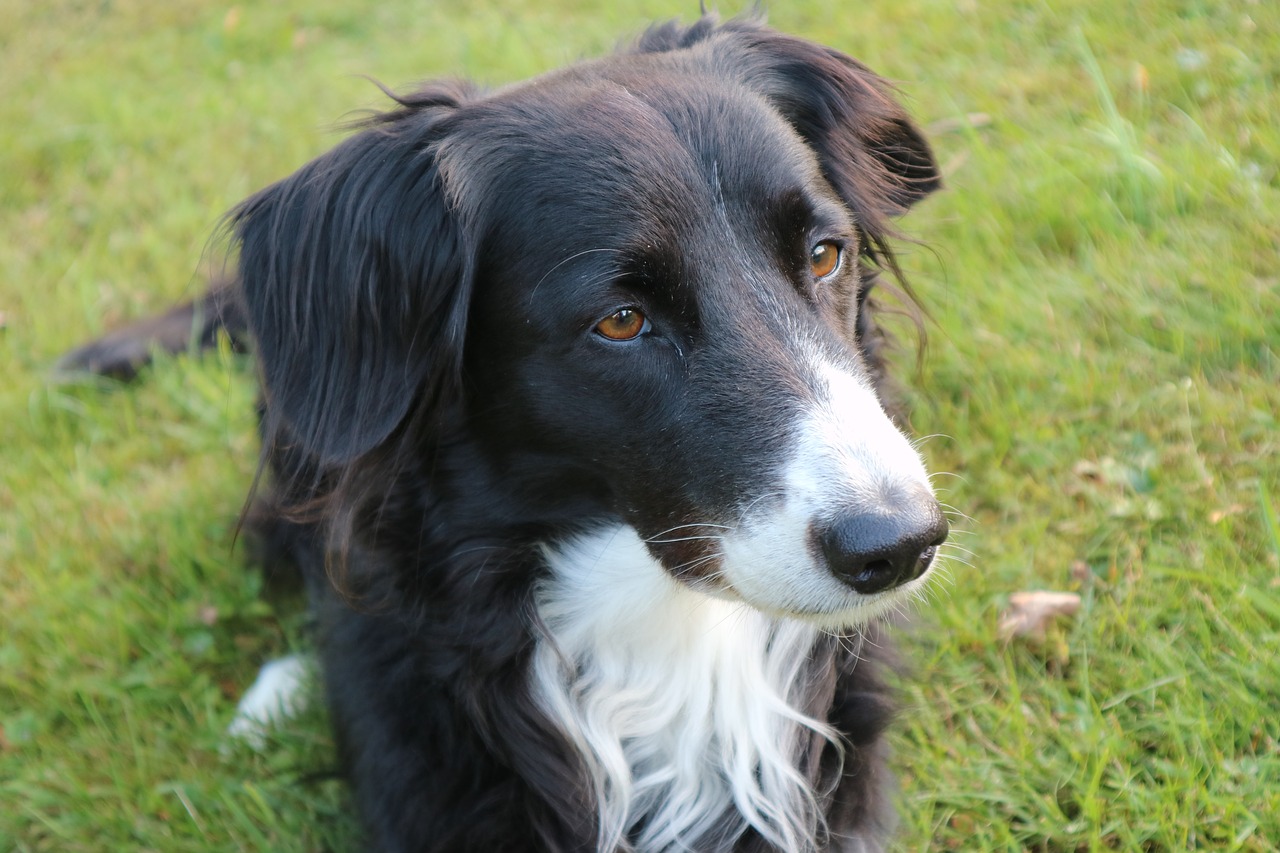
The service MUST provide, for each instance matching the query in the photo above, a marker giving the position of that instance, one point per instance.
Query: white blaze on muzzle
(848, 465)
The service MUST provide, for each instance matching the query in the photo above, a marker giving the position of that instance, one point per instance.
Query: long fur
(684, 707)
(573, 592)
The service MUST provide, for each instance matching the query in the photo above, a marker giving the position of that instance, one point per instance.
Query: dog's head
(639, 286)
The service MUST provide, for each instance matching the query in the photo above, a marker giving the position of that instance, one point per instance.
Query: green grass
(1103, 378)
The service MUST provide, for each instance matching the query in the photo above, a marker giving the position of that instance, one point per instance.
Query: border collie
(575, 423)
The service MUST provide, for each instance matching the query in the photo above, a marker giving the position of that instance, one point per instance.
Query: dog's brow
(561, 263)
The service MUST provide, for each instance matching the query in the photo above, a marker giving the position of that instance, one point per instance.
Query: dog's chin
(842, 610)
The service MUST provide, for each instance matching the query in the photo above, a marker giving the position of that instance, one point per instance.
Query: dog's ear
(869, 149)
(355, 282)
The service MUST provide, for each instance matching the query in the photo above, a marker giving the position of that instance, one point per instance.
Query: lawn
(1101, 387)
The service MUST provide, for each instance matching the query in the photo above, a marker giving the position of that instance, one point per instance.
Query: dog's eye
(624, 325)
(824, 259)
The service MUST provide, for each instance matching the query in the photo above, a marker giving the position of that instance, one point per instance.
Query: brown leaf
(1030, 612)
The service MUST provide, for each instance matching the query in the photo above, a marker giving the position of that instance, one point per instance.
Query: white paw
(277, 694)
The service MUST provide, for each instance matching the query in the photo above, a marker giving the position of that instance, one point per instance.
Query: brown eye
(824, 259)
(624, 325)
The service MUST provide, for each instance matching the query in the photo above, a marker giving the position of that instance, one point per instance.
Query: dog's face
(653, 303)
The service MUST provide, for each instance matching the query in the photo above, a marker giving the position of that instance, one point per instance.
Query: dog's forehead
(659, 141)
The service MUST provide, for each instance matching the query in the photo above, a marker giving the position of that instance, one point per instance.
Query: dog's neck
(684, 708)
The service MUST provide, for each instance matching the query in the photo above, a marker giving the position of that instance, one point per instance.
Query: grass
(1103, 378)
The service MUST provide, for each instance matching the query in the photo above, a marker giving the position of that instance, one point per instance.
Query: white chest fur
(680, 704)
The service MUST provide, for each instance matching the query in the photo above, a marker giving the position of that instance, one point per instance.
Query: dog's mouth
(841, 572)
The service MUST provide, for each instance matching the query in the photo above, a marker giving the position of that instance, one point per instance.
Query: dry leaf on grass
(1030, 613)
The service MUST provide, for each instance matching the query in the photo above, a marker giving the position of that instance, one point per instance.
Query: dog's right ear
(356, 282)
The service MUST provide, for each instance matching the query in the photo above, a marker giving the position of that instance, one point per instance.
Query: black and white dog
(575, 424)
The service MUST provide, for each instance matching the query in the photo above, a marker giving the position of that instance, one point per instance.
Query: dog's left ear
(869, 149)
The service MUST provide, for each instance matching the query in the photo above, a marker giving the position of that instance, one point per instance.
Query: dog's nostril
(874, 553)
(874, 576)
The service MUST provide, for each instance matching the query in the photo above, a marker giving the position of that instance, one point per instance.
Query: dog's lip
(850, 603)
(715, 589)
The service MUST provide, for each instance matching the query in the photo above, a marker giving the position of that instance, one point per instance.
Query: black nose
(872, 552)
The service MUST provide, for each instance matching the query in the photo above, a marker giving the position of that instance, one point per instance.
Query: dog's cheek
(684, 539)
(581, 411)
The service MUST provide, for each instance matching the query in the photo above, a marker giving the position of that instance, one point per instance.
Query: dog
(577, 423)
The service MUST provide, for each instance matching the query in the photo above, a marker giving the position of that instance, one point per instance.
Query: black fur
(437, 407)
